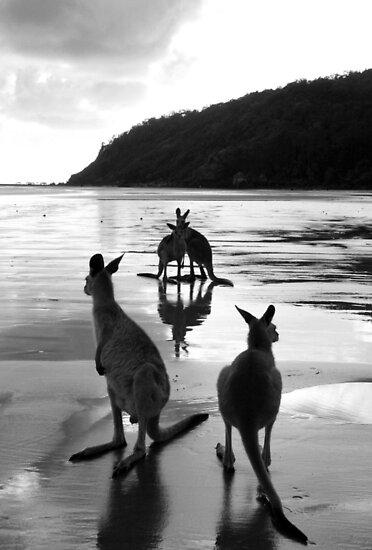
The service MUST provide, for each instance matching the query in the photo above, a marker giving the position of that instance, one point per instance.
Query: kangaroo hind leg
(192, 271)
(266, 453)
(225, 453)
(161, 269)
(148, 401)
(139, 451)
(117, 441)
(203, 274)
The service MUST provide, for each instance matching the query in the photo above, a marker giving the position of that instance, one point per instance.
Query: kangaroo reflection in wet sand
(199, 251)
(181, 317)
(137, 380)
(136, 513)
(249, 394)
(244, 528)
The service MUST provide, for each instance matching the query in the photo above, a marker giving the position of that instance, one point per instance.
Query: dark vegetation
(307, 134)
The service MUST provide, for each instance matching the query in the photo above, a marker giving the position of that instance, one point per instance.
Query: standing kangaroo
(171, 247)
(199, 251)
(249, 394)
(137, 380)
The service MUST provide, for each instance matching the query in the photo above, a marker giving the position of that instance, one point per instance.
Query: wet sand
(53, 403)
(178, 497)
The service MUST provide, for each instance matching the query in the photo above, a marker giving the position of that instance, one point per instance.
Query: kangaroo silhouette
(199, 251)
(137, 380)
(171, 247)
(249, 394)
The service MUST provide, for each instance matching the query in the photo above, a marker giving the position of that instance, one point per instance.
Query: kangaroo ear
(96, 264)
(269, 314)
(186, 224)
(178, 212)
(248, 317)
(113, 266)
(186, 214)
(171, 226)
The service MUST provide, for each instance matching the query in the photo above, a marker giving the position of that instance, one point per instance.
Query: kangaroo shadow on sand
(243, 527)
(182, 317)
(137, 508)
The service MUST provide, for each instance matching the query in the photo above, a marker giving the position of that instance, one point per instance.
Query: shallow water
(307, 253)
(310, 254)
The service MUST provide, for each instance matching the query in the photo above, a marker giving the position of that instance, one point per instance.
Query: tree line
(307, 134)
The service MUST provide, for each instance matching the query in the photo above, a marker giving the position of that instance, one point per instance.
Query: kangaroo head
(181, 218)
(178, 230)
(96, 268)
(264, 322)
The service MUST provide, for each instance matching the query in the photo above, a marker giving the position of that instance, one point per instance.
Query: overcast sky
(76, 72)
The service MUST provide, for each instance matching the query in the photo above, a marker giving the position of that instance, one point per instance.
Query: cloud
(131, 32)
(110, 93)
(72, 63)
(51, 98)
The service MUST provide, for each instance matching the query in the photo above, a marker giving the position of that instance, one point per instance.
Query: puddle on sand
(349, 402)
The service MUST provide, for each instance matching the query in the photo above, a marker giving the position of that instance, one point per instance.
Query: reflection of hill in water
(180, 314)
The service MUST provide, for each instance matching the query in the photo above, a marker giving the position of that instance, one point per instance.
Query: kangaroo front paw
(100, 369)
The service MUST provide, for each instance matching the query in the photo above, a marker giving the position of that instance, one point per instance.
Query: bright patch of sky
(75, 73)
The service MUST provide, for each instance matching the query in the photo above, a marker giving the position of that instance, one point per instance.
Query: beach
(308, 255)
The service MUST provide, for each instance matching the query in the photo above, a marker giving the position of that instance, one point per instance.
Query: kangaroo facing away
(171, 247)
(199, 251)
(137, 380)
(249, 394)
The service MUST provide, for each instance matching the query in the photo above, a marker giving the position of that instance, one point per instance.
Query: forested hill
(307, 134)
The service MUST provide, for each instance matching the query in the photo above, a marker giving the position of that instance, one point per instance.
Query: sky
(76, 73)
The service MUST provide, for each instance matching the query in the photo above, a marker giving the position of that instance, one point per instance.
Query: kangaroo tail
(250, 441)
(221, 281)
(217, 280)
(288, 529)
(160, 434)
(151, 275)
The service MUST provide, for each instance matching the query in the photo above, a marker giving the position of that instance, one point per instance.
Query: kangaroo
(249, 394)
(199, 251)
(171, 247)
(137, 380)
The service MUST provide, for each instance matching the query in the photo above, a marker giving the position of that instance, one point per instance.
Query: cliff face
(316, 134)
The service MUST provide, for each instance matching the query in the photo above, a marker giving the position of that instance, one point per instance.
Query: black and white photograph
(186, 275)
